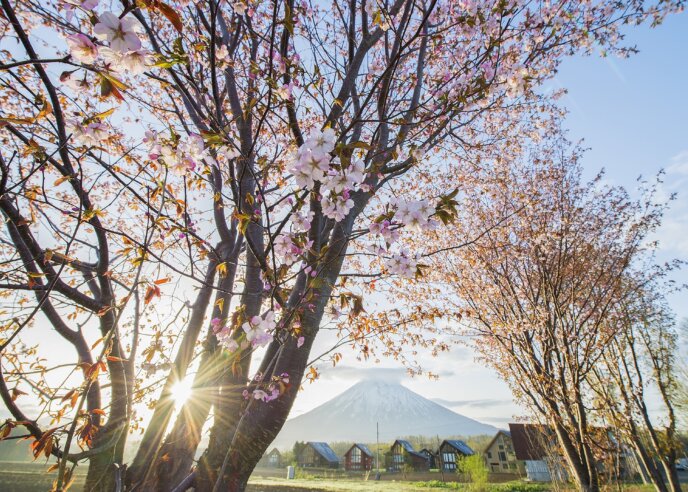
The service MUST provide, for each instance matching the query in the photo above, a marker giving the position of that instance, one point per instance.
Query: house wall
(310, 459)
(449, 458)
(501, 458)
(400, 457)
(357, 460)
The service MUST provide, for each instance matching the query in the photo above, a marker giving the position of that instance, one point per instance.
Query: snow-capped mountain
(352, 415)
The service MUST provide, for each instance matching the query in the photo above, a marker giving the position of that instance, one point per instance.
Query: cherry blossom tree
(544, 292)
(240, 167)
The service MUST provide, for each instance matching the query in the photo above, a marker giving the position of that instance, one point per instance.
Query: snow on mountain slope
(352, 415)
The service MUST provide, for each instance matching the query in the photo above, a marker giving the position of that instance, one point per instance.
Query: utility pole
(377, 448)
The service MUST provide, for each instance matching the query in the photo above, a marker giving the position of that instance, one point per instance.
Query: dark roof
(364, 448)
(460, 446)
(324, 450)
(426, 450)
(531, 441)
(405, 444)
(409, 449)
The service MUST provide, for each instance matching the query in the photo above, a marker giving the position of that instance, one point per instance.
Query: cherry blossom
(224, 335)
(313, 158)
(383, 228)
(258, 329)
(285, 248)
(84, 4)
(415, 214)
(90, 135)
(301, 222)
(82, 48)
(120, 33)
(402, 264)
(133, 62)
(337, 206)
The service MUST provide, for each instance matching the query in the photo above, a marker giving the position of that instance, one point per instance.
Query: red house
(358, 458)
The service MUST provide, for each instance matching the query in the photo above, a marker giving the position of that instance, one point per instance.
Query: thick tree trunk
(654, 474)
(105, 468)
(259, 425)
(165, 406)
(578, 470)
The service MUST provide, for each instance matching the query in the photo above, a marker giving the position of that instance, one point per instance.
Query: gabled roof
(460, 446)
(500, 431)
(426, 450)
(405, 444)
(408, 448)
(531, 441)
(362, 447)
(324, 450)
(275, 450)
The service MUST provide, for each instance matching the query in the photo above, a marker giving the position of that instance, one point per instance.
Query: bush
(475, 471)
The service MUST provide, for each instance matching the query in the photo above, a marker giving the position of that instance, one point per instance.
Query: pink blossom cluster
(287, 250)
(90, 134)
(271, 391)
(223, 334)
(403, 264)
(415, 214)
(259, 330)
(314, 163)
(181, 156)
(123, 52)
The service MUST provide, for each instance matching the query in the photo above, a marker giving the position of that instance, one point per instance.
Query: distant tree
(299, 446)
(542, 290)
(640, 363)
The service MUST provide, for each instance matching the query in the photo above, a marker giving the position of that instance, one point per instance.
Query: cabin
(500, 456)
(430, 456)
(452, 452)
(358, 458)
(317, 455)
(273, 459)
(402, 454)
(536, 446)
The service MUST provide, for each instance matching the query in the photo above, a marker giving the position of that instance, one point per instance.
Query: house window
(449, 461)
(505, 466)
(502, 456)
(356, 455)
(489, 455)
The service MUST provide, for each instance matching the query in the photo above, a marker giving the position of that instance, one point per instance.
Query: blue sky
(633, 114)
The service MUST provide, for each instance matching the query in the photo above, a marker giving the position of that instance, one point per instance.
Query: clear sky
(633, 114)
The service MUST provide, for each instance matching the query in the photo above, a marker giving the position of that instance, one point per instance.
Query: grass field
(266, 484)
(33, 477)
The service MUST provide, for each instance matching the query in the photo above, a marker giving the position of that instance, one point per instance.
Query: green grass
(329, 485)
(31, 477)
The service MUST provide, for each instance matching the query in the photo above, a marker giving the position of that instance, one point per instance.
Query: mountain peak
(354, 414)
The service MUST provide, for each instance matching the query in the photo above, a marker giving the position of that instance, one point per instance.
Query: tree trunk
(654, 474)
(105, 467)
(578, 469)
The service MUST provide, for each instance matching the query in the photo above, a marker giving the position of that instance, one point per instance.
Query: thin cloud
(353, 373)
(481, 403)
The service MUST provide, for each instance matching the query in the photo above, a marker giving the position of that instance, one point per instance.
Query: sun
(182, 391)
